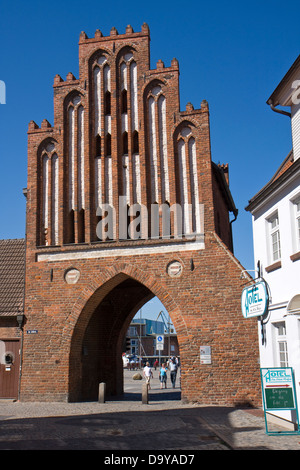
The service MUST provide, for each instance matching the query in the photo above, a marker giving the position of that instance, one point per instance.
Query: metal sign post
(159, 345)
(278, 387)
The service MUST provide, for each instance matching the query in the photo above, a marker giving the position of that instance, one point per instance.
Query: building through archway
(124, 203)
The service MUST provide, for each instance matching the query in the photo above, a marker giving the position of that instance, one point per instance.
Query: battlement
(45, 126)
(129, 33)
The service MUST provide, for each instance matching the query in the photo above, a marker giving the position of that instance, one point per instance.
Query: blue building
(141, 339)
(148, 327)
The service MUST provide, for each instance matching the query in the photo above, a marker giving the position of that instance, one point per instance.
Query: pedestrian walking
(148, 374)
(173, 371)
(163, 375)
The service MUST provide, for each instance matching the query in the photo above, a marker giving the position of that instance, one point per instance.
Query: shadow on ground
(153, 396)
(176, 429)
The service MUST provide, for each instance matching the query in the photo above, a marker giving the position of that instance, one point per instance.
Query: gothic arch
(99, 292)
(47, 214)
(181, 125)
(99, 286)
(124, 50)
(150, 85)
(44, 143)
(95, 55)
(71, 95)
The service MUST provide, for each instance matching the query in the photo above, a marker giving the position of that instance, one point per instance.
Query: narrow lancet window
(108, 145)
(135, 142)
(124, 102)
(107, 103)
(125, 143)
(98, 146)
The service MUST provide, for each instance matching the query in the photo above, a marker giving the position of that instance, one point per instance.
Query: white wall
(284, 282)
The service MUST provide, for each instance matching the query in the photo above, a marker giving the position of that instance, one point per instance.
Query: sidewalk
(163, 424)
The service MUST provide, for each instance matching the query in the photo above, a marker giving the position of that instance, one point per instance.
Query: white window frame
(133, 346)
(274, 237)
(297, 223)
(281, 344)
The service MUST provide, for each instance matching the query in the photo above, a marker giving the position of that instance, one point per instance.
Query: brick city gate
(123, 204)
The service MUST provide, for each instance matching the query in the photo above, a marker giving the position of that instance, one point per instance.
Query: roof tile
(12, 276)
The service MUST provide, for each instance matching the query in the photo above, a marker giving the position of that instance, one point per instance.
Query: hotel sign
(255, 300)
(279, 393)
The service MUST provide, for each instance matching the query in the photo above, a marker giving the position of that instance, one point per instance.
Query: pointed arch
(47, 193)
(97, 287)
(186, 171)
(104, 296)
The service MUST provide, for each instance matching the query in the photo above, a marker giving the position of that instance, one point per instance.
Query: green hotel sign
(279, 393)
(255, 300)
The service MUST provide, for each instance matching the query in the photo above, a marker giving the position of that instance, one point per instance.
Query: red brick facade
(118, 131)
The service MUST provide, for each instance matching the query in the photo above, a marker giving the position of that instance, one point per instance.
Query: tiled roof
(288, 166)
(288, 161)
(12, 276)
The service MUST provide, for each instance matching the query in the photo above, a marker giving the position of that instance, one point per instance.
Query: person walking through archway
(148, 374)
(173, 370)
(163, 376)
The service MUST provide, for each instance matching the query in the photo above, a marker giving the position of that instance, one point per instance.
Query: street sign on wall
(255, 300)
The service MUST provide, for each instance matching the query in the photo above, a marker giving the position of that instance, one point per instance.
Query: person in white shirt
(148, 374)
(173, 370)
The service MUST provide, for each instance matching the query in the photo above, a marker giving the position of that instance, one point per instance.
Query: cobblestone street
(164, 424)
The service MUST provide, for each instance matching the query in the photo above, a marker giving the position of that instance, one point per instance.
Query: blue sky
(233, 54)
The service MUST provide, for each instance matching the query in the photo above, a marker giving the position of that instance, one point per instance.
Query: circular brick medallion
(72, 276)
(174, 269)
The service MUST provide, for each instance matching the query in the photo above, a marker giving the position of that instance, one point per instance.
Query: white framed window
(297, 225)
(133, 346)
(274, 238)
(281, 344)
(132, 331)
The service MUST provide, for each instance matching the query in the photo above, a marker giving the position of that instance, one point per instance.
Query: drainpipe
(21, 319)
(235, 213)
(280, 111)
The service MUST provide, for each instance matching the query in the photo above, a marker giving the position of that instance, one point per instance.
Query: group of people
(172, 365)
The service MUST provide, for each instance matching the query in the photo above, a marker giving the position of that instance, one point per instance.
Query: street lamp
(20, 319)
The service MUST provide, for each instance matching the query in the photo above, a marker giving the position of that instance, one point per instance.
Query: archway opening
(99, 338)
(152, 339)
(151, 321)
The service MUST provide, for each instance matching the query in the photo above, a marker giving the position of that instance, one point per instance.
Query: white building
(275, 213)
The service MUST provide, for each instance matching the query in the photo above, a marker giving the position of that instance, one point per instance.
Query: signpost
(278, 387)
(159, 344)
